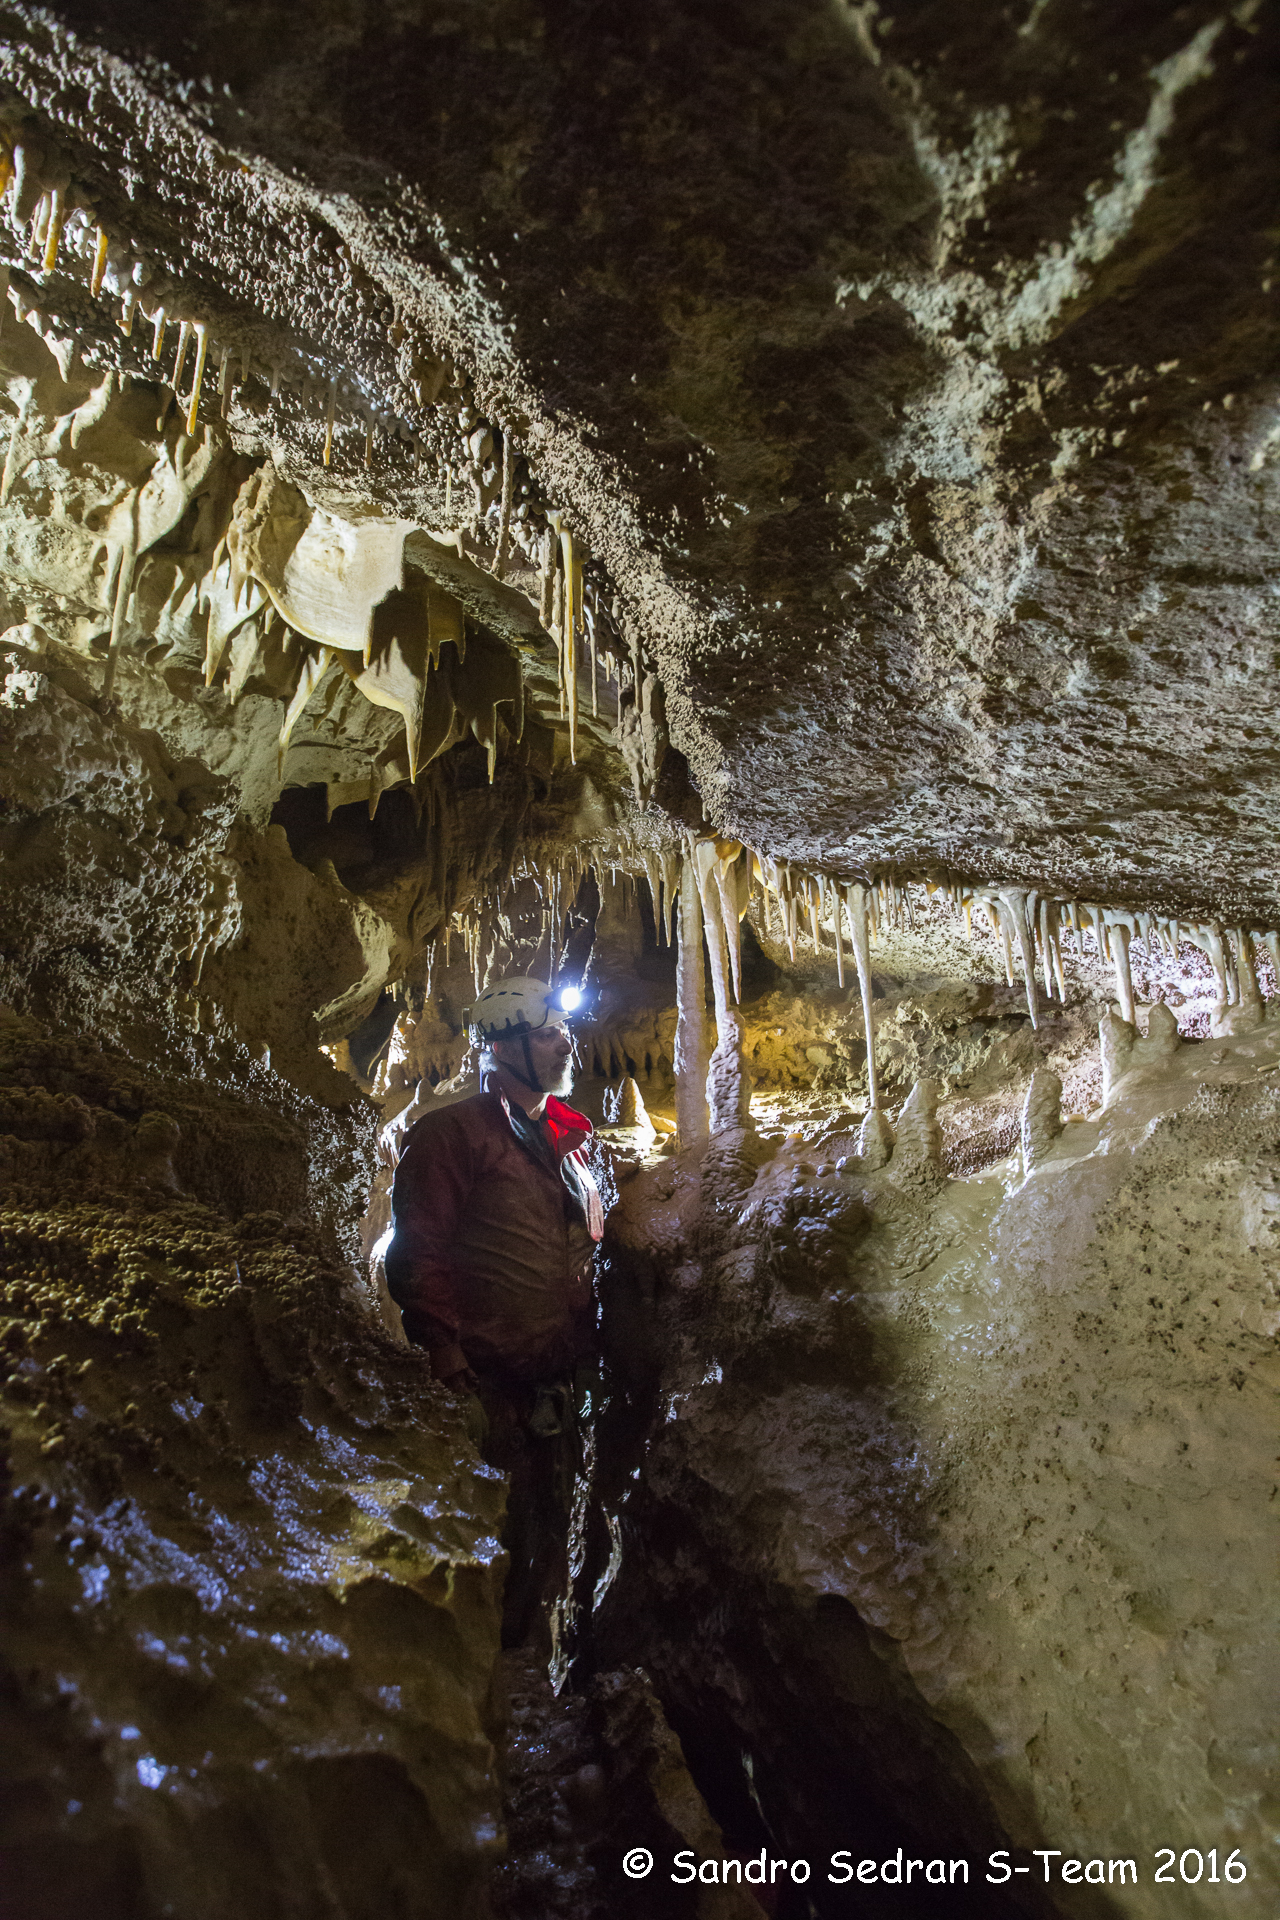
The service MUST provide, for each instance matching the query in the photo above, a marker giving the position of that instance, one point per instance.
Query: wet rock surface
(251, 1575)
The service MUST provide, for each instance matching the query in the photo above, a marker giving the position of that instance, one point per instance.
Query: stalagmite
(875, 1140)
(856, 897)
(1117, 1039)
(918, 1153)
(1041, 1117)
(1162, 1031)
(632, 1111)
(691, 1018)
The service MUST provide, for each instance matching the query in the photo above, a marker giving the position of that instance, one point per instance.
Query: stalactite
(728, 1085)
(692, 1120)
(504, 520)
(1015, 904)
(589, 625)
(202, 348)
(314, 667)
(714, 861)
(671, 891)
(99, 263)
(57, 213)
(653, 873)
(15, 442)
(856, 896)
(1026, 923)
(1211, 938)
(1272, 943)
(569, 620)
(1119, 933)
(331, 409)
(1246, 974)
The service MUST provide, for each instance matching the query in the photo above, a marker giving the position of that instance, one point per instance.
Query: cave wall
(988, 1458)
(251, 1579)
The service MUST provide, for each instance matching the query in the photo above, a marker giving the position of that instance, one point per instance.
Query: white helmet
(519, 1005)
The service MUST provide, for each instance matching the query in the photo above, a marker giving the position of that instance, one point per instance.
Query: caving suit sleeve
(433, 1182)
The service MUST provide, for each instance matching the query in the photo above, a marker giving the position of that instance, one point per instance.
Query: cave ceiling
(905, 379)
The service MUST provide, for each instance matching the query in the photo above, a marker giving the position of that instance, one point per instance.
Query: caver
(496, 1219)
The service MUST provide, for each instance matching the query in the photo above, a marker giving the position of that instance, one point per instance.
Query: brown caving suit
(496, 1217)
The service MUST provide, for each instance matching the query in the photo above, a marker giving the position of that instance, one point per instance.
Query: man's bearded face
(551, 1052)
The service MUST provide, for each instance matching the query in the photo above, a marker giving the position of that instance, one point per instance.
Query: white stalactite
(692, 1121)
(857, 898)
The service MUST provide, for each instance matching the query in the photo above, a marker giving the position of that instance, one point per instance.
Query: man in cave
(496, 1217)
